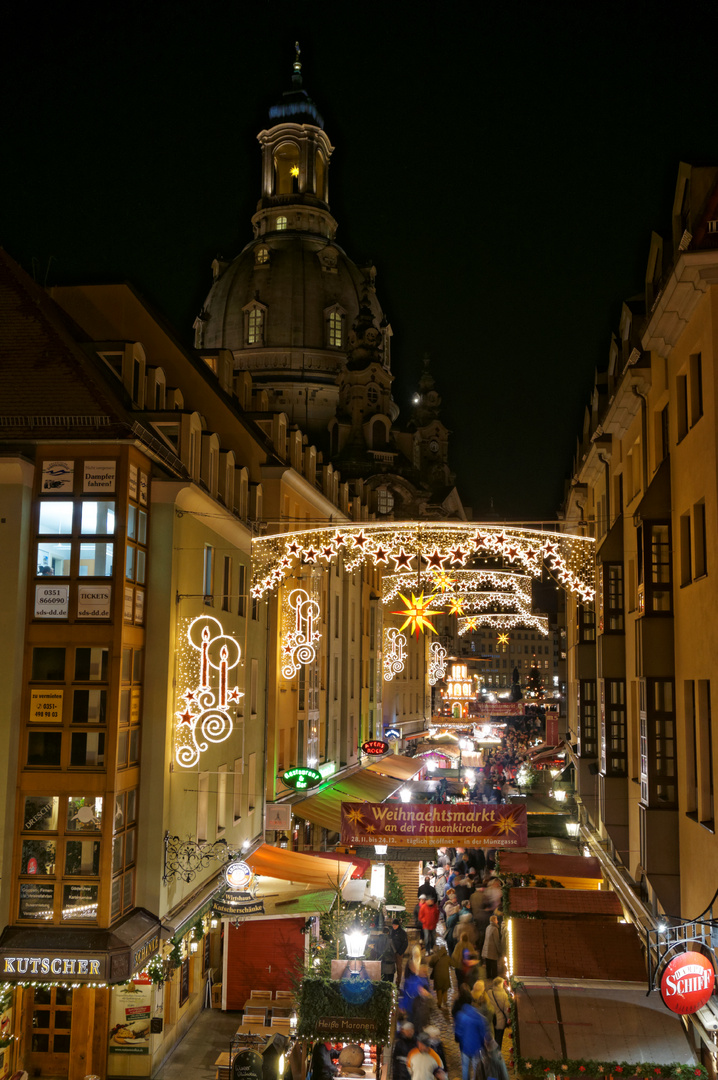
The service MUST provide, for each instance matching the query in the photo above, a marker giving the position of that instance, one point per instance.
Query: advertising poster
(57, 477)
(139, 606)
(130, 1018)
(36, 901)
(52, 601)
(93, 601)
(133, 482)
(424, 824)
(46, 706)
(144, 487)
(99, 476)
(129, 603)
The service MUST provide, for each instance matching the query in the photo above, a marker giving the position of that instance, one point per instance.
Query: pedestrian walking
(422, 1062)
(470, 1030)
(439, 964)
(403, 1045)
(400, 943)
(481, 1001)
(500, 1000)
(491, 951)
(429, 918)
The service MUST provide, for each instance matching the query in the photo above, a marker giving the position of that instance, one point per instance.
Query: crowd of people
(461, 895)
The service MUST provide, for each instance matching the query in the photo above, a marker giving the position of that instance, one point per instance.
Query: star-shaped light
(293, 548)
(381, 555)
(471, 623)
(435, 560)
(458, 555)
(416, 613)
(294, 171)
(479, 540)
(456, 606)
(328, 552)
(235, 694)
(185, 717)
(402, 560)
(310, 555)
(503, 639)
(339, 540)
(360, 539)
(443, 581)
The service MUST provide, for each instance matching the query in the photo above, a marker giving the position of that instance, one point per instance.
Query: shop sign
(145, 952)
(238, 875)
(93, 601)
(301, 778)
(277, 817)
(344, 1025)
(687, 983)
(99, 476)
(46, 706)
(242, 906)
(53, 966)
(375, 747)
(57, 477)
(392, 733)
(426, 825)
(52, 601)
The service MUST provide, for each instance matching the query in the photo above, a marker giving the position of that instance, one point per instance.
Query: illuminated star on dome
(416, 612)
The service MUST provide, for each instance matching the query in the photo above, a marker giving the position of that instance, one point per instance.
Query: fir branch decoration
(323, 997)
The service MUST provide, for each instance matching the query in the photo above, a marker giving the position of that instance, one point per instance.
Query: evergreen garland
(323, 997)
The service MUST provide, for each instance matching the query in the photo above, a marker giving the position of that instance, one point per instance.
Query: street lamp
(381, 849)
(464, 744)
(356, 942)
(405, 794)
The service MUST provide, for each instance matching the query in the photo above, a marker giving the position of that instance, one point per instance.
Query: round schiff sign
(687, 983)
(375, 747)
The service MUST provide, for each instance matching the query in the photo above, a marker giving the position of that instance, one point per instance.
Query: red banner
(427, 825)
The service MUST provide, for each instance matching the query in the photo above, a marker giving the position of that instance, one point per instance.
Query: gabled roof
(49, 387)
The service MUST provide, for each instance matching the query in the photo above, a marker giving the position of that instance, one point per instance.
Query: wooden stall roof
(557, 902)
(573, 949)
(325, 808)
(398, 766)
(573, 868)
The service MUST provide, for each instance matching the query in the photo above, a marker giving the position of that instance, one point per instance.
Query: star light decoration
(503, 621)
(503, 639)
(416, 613)
(504, 587)
(208, 698)
(419, 545)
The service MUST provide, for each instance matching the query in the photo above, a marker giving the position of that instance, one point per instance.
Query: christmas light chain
(416, 547)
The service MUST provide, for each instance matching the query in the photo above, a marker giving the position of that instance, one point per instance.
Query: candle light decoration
(437, 662)
(205, 717)
(299, 645)
(394, 652)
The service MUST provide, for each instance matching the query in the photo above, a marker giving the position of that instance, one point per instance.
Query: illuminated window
(281, 223)
(385, 501)
(255, 326)
(261, 256)
(335, 329)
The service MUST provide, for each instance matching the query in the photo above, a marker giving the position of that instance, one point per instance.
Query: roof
(398, 766)
(565, 902)
(551, 866)
(598, 1022)
(295, 866)
(283, 900)
(577, 949)
(325, 808)
(48, 384)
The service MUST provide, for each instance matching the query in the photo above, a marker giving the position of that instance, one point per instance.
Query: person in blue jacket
(470, 1030)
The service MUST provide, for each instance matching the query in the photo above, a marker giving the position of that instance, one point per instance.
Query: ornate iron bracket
(664, 943)
(187, 858)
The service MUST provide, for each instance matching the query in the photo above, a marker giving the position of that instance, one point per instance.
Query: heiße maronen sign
(405, 824)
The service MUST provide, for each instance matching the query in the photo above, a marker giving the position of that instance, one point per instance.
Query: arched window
(255, 326)
(385, 501)
(336, 336)
(372, 395)
(286, 169)
(281, 223)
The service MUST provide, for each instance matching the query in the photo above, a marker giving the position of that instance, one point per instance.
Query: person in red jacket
(429, 918)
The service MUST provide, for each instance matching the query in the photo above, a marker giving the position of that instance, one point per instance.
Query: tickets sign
(687, 983)
(425, 824)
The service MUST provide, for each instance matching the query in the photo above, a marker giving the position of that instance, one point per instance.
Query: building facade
(642, 659)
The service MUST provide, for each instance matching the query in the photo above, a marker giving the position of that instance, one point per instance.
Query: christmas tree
(534, 684)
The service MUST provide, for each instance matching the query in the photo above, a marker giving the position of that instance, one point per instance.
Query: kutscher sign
(423, 824)
(687, 983)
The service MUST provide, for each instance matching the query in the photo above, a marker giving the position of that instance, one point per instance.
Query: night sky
(502, 165)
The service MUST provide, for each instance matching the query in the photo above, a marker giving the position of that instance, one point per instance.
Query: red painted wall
(262, 956)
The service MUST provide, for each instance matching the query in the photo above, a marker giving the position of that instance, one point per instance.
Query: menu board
(80, 902)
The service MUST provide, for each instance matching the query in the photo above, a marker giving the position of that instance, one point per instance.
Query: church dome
(309, 291)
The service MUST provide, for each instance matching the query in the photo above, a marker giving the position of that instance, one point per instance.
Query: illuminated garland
(437, 662)
(418, 546)
(206, 710)
(299, 645)
(500, 585)
(503, 621)
(394, 653)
